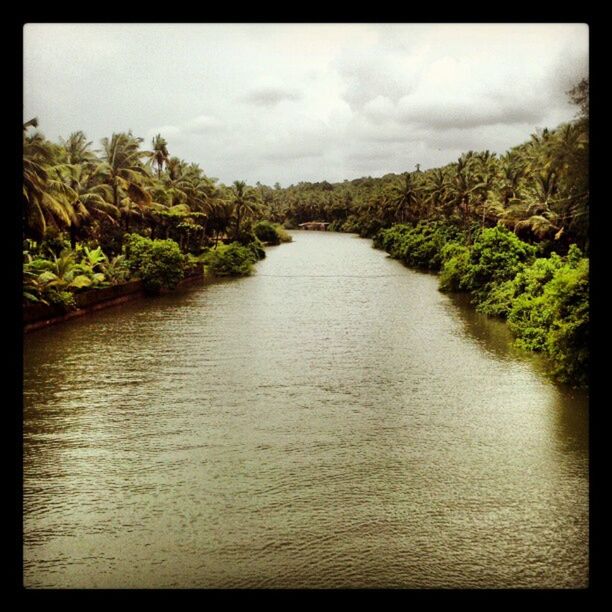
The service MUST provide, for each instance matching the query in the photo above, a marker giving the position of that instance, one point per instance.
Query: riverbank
(37, 316)
(543, 297)
(224, 261)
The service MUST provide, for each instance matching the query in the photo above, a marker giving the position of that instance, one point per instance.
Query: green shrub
(54, 280)
(231, 260)
(497, 255)
(283, 234)
(62, 298)
(351, 225)
(266, 232)
(419, 245)
(529, 282)
(550, 313)
(159, 263)
(455, 267)
(257, 248)
(499, 300)
(530, 319)
(568, 339)
(116, 270)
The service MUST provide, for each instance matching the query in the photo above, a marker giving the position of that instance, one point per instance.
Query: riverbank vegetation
(271, 233)
(96, 218)
(510, 230)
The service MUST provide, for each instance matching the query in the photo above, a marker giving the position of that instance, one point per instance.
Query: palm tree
(48, 201)
(485, 173)
(220, 218)
(91, 201)
(406, 199)
(436, 189)
(160, 154)
(460, 188)
(76, 149)
(510, 180)
(245, 203)
(122, 169)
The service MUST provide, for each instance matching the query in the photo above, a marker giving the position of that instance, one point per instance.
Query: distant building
(320, 226)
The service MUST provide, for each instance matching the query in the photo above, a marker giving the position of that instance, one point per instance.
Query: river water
(331, 421)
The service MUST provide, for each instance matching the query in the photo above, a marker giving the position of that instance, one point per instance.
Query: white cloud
(274, 102)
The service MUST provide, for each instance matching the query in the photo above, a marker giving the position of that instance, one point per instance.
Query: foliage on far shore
(271, 233)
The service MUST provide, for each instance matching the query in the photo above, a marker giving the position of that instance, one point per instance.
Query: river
(331, 421)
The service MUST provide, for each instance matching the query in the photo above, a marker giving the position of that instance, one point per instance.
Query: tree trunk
(238, 219)
(73, 237)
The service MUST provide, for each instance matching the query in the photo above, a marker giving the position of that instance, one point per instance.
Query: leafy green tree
(48, 201)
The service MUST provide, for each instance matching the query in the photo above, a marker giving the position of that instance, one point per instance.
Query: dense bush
(159, 263)
(231, 260)
(567, 342)
(283, 234)
(550, 313)
(497, 255)
(420, 245)
(257, 248)
(455, 267)
(530, 281)
(266, 232)
(55, 278)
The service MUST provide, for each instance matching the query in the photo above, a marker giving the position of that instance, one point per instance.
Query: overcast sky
(300, 102)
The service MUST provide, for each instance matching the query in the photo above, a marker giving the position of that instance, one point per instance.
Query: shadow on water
(492, 335)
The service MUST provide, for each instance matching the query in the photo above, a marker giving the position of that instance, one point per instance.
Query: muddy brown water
(331, 421)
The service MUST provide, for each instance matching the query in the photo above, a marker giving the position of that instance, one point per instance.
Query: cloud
(292, 154)
(203, 123)
(270, 96)
(464, 113)
(292, 102)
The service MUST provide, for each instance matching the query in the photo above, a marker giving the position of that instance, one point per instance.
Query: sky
(305, 102)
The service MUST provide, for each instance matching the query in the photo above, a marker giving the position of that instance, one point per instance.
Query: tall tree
(160, 154)
(48, 200)
(245, 203)
(123, 170)
(406, 199)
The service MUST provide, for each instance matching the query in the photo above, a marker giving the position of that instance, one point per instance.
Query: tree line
(538, 189)
(71, 190)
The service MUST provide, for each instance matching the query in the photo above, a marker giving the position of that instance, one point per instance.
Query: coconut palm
(76, 149)
(121, 166)
(220, 218)
(245, 202)
(91, 201)
(160, 154)
(123, 170)
(405, 199)
(48, 200)
(436, 189)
